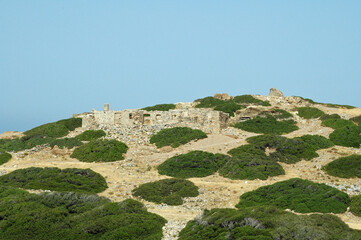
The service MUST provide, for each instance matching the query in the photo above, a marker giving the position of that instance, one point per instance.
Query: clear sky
(69, 56)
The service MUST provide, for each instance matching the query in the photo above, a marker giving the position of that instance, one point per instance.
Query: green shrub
(317, 141)
(299, 195)
(355, 206)
(4, 157)
(208, 102)
(268, 125)
(169, 191)
(249, 99)
(330, 116)
(29, 142)
(100, 151)
(64, 142)
(176, 136)
(250, 166)
(280, 114)
(266, 223)
(56, 129)
(345, 167)
(287, 150)
(60, 216)
(348, 136)
(160, 107)
(55, 179)
(193, 164)
(357, 120)
(229, 107)
(309, 112)
(89, 135)
(337, 123)
(248, 148)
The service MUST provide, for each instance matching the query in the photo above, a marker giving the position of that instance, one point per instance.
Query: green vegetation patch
(89, 135)
(193, 164)
(265, 223)
(309, 112)
(55, 179)
(355, 206)
(251, 166)
(169, 191)
(29, 142)
(4, 157)
(160, 107)
(286, 150)
(357, 120)
(317, 141)
(176, 136)
(249, 149)
(267, 125)
(59, 216)
(345, 167)
(227, 106)
(330, 116)
(57, 129)
(337, 123)
(348, 136)
(249, 99)
(100, 151)
(299, 195)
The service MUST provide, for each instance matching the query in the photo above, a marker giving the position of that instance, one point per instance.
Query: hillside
(128, 155)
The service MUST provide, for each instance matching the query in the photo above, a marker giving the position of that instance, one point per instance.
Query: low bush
(29, 142)
(337, 123)
(250, 166)
(345, 167)
(56, 129)
(266, 223)
(229, 107)
(355, 206)
(55, 179)
(299, 195)
(160, 107)
(100, 151)
(249, 99)
(208, 102)
(309, 112)
(176, 136)
(348, 136)
(168, 191)
(330, 116)
(280, 114)
(287, 150)
(267, 125)
(4, 157)
(249, 149)
(192, 164)
(356, 120)
(338, 105)
(60, 216)
(317, 141)
(89, 135)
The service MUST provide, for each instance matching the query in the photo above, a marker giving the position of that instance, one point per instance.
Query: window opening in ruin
(130, 115)
(158, 116)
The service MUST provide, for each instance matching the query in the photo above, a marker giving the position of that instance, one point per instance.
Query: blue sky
(63, 57)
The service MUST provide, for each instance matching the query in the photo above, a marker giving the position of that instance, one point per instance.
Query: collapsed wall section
(136, 126)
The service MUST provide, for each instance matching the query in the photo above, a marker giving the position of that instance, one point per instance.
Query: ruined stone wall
(136, 126)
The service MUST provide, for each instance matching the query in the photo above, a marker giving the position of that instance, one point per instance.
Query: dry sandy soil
(215, 191)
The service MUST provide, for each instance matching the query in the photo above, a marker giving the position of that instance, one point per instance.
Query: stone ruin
(137, 125)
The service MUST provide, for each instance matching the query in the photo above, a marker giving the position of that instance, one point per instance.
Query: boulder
(275, 93)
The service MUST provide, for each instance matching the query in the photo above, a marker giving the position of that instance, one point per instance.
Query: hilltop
(218, 135)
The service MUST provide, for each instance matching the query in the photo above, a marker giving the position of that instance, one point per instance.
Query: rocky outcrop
(275, 93)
